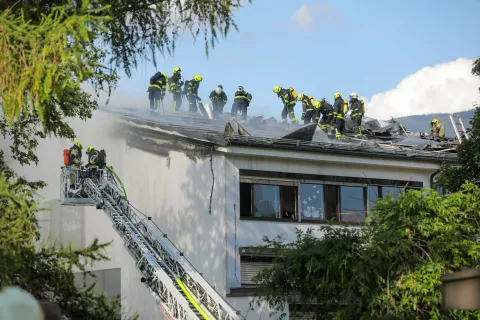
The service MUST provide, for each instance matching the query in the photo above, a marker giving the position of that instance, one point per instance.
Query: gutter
(434, 174)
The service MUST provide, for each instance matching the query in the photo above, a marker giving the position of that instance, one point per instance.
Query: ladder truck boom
(181, 292)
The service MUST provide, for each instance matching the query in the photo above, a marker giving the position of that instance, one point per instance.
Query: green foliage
(46, 272)
(390, 268)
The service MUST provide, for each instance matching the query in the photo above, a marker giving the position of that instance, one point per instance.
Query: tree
(48, 50)
(389, 269)
(468, 168)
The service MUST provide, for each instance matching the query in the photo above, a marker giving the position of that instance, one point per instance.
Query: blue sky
(322, 47)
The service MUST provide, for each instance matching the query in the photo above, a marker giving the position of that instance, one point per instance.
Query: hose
(118, 179)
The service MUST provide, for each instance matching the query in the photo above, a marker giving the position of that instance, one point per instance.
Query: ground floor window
(250, 266)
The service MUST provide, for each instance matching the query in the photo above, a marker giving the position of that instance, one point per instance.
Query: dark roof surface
(261, 133)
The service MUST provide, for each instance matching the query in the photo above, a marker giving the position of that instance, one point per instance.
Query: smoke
(446, 87)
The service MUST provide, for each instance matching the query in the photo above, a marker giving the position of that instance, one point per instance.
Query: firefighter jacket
(161, 84)
(175, 83)
(338, 108)
(357, 109)
(287, 97)
(214, 96)
(243, 96)
(192, 88)
(75, 155)
(93, 157)
(308, 104)
(437, 130)
(323, 108)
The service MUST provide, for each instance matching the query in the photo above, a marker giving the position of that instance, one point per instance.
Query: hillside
(422, 122)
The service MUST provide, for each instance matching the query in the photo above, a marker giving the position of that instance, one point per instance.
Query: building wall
(247, 233)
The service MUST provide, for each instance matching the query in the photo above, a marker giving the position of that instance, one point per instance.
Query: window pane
(289, 203)
(331, 202)
(266, 201)
(392, 191)
(373, 195)
(245, 200)
(352, 204)
(311, 201)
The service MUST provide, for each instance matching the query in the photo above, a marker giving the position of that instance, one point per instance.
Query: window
(392, 191)
(373, 195)
(331, 202)
(268, 201)
(311, 201)
(250, 266)
(352, 200)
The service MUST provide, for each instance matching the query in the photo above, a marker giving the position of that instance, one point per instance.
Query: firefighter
(175, 84)
(324, 108)
(289, 100)
(92, 156)
(240, 104)
(157, 89)
(437, 130)
(356, 115)
(308, 106)
(191, 91)
(339, 114)
(76, 154)
(219, 100)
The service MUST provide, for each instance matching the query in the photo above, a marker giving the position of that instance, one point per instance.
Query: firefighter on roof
(356, 107)
(437, 130)
(324, 108)
(157, 89)
(191, 91)
(219, 99)
(240, 104)
(308, 108)
(338, 111)
(289, 99)
(175, 84)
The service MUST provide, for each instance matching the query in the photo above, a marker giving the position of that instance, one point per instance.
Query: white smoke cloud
(446, 87)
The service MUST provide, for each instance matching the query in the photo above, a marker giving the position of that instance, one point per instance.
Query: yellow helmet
(300, 97)
(277, 89)
(337, 95)
(164, 74)
(198, 78)
(89, 149)
(78, 144)
(435, 121)
(176, 69)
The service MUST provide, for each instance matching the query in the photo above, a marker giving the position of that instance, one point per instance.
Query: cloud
(307, 16)
(446, 87)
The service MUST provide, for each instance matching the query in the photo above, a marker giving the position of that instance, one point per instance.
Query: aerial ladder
(459, 128)
(181, 292)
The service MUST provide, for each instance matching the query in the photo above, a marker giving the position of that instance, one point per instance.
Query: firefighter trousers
(177, 101)
(192, 103)
(340, 128)
(288, 109)
(240, 105)
(217, 108)
(357, 126)
(309, 116)
(155, 97)
(327, 122)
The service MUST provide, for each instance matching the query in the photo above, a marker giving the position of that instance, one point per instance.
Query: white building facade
(258, 190)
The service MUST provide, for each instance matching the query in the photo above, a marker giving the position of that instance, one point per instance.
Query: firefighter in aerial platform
(175, 84)
(437, 130)
(339, 113)
(325, 109)
(289, 99)
(190, 89)
(308, 108)
(240, 104)
(75, 161)
(357, 113)
(157, 89)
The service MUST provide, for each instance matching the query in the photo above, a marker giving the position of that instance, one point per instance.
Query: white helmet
(218, 90)
(353, 95)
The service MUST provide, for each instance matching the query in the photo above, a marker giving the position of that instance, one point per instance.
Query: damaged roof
(158, 132)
